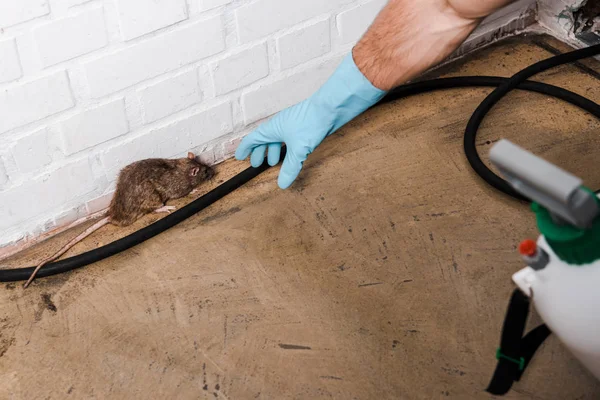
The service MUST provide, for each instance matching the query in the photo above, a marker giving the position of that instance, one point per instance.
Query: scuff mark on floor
(293, 347)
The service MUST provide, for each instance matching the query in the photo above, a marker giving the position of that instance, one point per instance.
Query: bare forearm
(410, 36)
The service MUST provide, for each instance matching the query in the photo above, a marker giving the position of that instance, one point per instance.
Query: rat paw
(165, 209)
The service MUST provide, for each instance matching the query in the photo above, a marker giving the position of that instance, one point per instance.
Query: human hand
(305, 125)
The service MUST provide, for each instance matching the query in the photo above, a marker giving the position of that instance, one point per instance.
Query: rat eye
(195, 171)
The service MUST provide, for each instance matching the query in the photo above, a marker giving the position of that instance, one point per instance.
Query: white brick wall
(263, 17)
(79, 34)
(88, 86)
(93, 127)
(208, 4)
(170, 95)
(354, 22)
(32, 101)
(304, 44)
(31, 152)
(156, 14)
(10, 68)
(41, 195)
(17, 11)
(153, 57)
(268, 99)
(240, 69)
(3, 176)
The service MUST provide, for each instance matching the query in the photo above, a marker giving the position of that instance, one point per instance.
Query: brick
(170, 96)
(264, 17)
(513, 8)
(17, 11)
(67, 38)
(304, 44)
(93, 127)
(172, 139)
(240, 69)
(139, 17)
(99, 203)
(352, 24)
(3, 175)
(71, 3)
(32, 152)
(231, 146)
(68, 217)
(34, 100)
(210, 4)
(155, 56)
(267, 100)
(10, 67)
(46, 193)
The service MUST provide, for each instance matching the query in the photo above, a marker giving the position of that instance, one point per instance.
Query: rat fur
(144, 187)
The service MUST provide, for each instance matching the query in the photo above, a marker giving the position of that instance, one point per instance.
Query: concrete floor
(383, 273)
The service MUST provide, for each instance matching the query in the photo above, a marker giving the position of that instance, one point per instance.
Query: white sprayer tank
(567, 297)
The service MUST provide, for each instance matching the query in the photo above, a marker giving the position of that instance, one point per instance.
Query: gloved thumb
(290, 169)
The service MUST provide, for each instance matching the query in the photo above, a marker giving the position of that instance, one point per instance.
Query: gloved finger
(264, 134)
(292, 165)
(274, 154)
(258, 155)
(245, 147)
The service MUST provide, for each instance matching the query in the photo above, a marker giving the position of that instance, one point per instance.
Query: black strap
(515, 351)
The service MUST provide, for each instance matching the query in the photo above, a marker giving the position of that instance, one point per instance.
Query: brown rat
(144, 187)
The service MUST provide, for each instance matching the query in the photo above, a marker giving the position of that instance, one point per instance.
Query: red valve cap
(528, 247)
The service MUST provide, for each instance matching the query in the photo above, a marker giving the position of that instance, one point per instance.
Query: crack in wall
(586, 21)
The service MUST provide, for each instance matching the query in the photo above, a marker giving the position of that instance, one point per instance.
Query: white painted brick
(172, 139)
(99, 203)
(241, 69)
(93, 127)
(32, 152)
(61, 5)
(155, 56)
(32, 101)
(206, 83)
(13, 12)
(45, 193)
(513, 8)
(231, 146)
(170, 96)
(353, 23)
(210, 4)
(267, 100)
(10, 67)
(69, 216)
(138, 17)
(304, 44)
(264, 17)
(70, 37)
(3, 175)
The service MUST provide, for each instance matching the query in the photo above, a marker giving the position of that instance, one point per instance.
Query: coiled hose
(503, 86)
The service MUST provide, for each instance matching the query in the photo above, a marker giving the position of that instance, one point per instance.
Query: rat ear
(195, 171)
(191, 156)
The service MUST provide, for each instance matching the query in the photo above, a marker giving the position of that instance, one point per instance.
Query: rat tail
(79, 238)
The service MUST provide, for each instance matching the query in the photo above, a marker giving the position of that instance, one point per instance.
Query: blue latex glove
(302, 127)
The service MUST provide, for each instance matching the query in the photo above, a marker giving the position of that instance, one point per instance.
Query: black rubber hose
(486, 105)
(504, 85)
(470, 135)
(92, 256)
